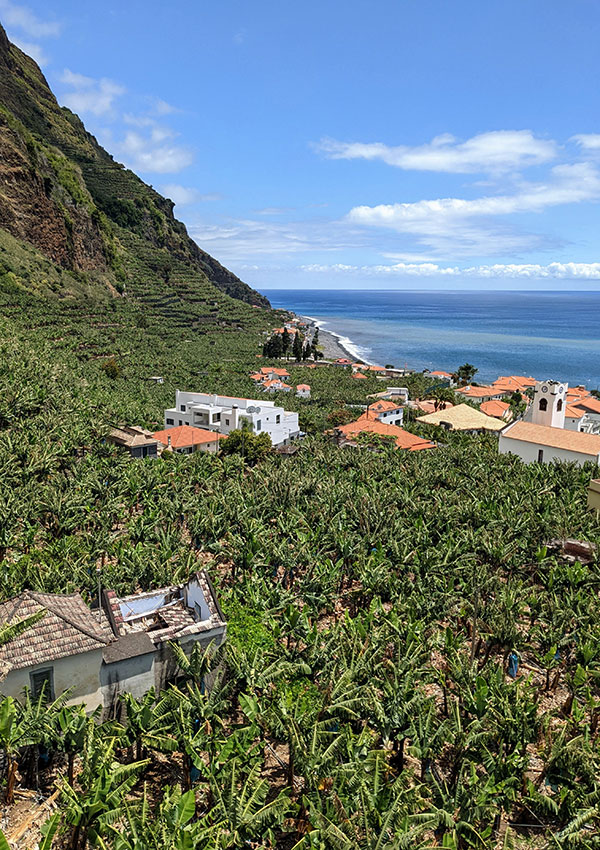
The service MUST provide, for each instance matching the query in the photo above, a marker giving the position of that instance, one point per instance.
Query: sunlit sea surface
(543, 334)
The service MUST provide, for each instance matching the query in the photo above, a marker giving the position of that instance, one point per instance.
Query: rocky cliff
(61, 192)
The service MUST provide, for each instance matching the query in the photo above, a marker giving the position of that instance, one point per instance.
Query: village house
(276, 385)
(498, 409)
(303, 391)
(226, 413)
(342, 361)
(100, 654)
(135, 440)
(184, 440)
(392, 393)
(462, 417)
(443, 377)
(388, 412)
(481, 394)
(360, 376)
(369, 423)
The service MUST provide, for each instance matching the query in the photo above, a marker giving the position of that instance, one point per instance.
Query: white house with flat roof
(226, 413)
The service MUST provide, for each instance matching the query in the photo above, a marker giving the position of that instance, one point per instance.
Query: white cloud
(587, 141)
(586, 271)
(22, 18)
(237, 240)
(496, 151)
(161, 107)
(89, 95)
(36, 51)
(148, 153)
(465, 227)
(182, 195)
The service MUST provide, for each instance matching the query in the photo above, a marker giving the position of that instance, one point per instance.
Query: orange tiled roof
(278, 382)
(257, 376)
(402, 439)
(383, 405)
(589, 403)
(572, 411)
(495, 407)
(439, 373)
(359, 375)
(268, 370)
(556, 438)
(479, 392)
(186, 436)
(428, 406)
(303, 387)
(376, 369)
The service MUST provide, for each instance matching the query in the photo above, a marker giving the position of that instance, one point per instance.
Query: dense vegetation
(409, 662)
(374, 601)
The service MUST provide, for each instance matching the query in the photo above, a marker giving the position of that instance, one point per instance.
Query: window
(541, 451)
(180, 422)
(42, 681)
(182, 408)
(278, 419)
(543, 404)
(170, 421)
(217, 417)
(227, 421)
(258, 425)
(559, 404)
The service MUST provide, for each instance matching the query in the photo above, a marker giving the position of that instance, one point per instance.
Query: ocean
(543, 334)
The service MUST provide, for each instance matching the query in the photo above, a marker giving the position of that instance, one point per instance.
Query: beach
(331, 343)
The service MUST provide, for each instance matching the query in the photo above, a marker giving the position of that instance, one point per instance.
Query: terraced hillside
(62, 193)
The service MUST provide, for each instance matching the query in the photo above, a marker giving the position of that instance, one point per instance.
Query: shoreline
(332, 344)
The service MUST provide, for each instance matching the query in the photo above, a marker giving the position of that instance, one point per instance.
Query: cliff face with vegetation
(62, 193)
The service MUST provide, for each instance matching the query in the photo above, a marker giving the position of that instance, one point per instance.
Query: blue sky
(382, 144)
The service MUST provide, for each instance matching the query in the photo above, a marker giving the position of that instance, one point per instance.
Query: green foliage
(111, 369)
(251, 446)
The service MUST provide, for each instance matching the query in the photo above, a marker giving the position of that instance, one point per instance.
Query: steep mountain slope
(64, 194)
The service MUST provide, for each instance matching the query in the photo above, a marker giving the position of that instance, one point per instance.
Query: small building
(342, 361)
(370, 424)
(577, 419)
(443, 377)
(498, 409)
(481, 394)
(276, 385)
(509, 384)
(62, 650)
(99, 654)
(144, 624)
(545, 443)
(388, 412)
(392, 393)
(137, 441)
(359, 376)
(271, 373)
(303, 390)
(462, 417)
(185, 439)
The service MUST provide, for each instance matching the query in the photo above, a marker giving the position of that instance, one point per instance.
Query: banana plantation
(412, 661)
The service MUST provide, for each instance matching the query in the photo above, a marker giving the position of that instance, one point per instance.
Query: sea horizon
(543, 333)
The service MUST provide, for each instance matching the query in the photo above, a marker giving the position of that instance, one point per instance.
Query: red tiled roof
(428, 406)
(303, 387)
(439, 373)
(495, 407)
(371, 425)
(479, 392)
(359, 375)
(186, 436)
(383, 405)
(572, 411)
(274, 370)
